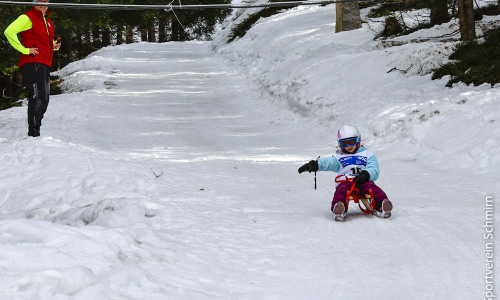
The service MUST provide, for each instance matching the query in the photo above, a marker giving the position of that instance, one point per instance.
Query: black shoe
(34, 132)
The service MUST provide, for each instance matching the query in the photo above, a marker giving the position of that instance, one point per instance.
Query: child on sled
(358, 166)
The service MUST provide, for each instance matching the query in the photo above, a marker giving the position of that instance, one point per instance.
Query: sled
(353, 194)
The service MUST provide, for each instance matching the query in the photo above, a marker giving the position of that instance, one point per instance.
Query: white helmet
(348, 131)
(348, 136)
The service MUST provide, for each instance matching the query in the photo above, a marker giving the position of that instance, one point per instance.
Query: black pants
(36, 79)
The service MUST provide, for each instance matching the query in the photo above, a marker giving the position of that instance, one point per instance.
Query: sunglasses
(348, 142)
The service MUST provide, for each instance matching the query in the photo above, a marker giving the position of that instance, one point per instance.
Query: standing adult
(37, 47)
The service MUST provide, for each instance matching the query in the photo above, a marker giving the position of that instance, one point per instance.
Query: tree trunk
(66, 47)
(79, 43)
(348, 17)
(162, 30)
(119, 34)
(87, 43)
(151, 33)
(182, 34)
(439, 12)
(106, 37)
(96, 37)
(410, 3)
(170, 28)
(144, 33)
(129, 34)
(175, 30)
(467, 24)
(10, 85)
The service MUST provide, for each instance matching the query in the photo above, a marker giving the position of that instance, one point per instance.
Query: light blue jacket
(363, 159)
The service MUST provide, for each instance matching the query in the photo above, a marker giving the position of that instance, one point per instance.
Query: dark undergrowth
(474, 62)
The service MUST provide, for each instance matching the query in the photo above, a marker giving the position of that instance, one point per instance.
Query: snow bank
(163, 173)
(382, 86)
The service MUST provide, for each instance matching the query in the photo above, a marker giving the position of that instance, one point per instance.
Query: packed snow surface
(169, 171)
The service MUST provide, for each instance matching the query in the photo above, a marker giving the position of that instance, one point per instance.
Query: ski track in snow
(166, 189)
(163, 175)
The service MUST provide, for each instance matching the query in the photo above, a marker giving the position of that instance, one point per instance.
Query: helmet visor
(352, 141)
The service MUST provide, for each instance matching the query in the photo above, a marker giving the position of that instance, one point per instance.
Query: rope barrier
(173, 12)
(177, 7)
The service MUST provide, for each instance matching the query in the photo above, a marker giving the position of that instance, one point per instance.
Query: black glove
(362, 177)
(311, 166)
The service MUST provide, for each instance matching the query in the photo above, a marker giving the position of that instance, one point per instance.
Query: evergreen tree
(10, 81)
(83, 31)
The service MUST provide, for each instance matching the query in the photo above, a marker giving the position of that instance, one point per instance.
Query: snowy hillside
(169, 171)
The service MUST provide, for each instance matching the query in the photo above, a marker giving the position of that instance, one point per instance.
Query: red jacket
(37, 37)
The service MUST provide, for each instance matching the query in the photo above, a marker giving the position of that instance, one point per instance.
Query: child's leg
(378, 193)
(340, 193)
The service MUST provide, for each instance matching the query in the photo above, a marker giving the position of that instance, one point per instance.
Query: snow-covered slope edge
(296, 59)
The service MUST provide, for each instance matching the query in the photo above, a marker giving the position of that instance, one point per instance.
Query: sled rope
(315, 182)
(173, 12)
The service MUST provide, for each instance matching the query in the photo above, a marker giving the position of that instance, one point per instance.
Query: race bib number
(352, 164)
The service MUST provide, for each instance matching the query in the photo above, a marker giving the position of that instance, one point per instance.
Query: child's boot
(339, 211)
(384, 209)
